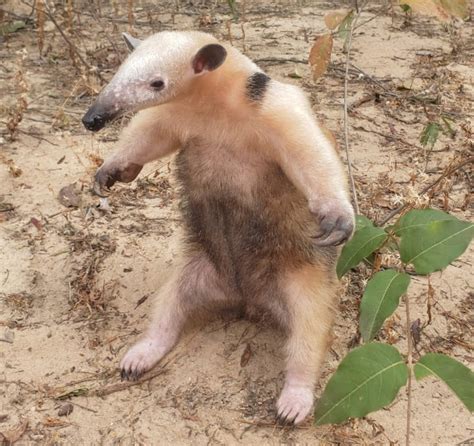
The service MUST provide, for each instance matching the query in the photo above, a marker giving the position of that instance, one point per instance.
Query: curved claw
(333, 232)
(99, 190)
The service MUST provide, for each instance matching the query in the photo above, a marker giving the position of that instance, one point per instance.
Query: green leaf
(448, 128)
(405, 8)
(380, 300)
(456, 375)
(363, 243)
(362, 221)
(232, 7)
(419, 218)
(334, 18)
(11, 27)
(430, 133)
(345, 26)
(432, 239)
(367, 379)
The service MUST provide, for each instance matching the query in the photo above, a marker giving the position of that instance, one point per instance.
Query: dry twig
(449, 171)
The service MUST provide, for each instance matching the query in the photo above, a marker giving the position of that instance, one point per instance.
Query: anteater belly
(249, 233)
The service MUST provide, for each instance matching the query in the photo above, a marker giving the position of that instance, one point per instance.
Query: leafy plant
(371, 376)
(425, 240)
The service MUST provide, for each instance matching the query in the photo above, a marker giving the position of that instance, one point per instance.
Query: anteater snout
(99, 115)
(93, 121)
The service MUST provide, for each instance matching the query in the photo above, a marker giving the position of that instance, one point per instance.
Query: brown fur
(250, 241)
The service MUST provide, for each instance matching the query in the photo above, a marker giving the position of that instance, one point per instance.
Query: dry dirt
(76, 284)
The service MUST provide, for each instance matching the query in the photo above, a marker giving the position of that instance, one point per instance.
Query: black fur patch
(256, 86)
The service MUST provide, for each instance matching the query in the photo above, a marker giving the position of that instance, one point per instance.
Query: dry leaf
(457, 8)
(13, 435)
(8, 336)
(428, 7)
(69, 196)
(245, 358)
(334, 18)
(36, 223)
(65, 410)
(320, 55)
(54, 422)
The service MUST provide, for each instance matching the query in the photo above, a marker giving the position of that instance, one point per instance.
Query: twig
(84, 407)
(73, 48)
(118, 387)
(281, 60)
(346, 118)
(273, 424)
(445, 174)
(409, 363)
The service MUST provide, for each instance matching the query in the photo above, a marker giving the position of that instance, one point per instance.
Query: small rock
(65, 410)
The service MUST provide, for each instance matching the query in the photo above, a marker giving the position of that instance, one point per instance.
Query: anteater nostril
(93, 122)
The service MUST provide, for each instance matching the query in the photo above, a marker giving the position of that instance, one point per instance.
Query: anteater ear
(131, 42)
(208, 58)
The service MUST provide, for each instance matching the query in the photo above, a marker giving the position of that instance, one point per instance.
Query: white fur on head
(166, 59)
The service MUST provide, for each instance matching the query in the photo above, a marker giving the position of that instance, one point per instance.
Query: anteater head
(158, 70)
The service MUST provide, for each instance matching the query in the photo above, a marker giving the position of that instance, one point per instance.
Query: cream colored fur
(214, 108)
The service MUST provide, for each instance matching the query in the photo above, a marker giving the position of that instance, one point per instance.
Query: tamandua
(264, 196)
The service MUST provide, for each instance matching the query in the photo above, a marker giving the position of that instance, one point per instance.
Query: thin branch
(410, 364)
(346, 118)
(71, 45)
(428, 187)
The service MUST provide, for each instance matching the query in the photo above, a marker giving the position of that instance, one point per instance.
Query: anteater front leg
(310, 294)
(146, 138)
(195, 286)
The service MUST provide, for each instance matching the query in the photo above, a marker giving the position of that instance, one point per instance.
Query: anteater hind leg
(310, 294)
(194, 286)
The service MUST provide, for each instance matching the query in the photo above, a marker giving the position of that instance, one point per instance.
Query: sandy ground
(76, 284)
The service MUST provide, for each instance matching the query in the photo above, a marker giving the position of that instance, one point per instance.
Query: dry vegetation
(76, 279)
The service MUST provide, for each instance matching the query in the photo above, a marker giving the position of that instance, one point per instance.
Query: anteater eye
(157, 85)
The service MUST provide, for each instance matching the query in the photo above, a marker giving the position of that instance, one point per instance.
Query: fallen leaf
(36, 223)
(8, 336)
(141, 300)
(11, 27)
(5, 207)
(295, 74)
(69, 196)
(65, 410)
(13, 435)
(54, 422)
(245, 358)
(320, 55)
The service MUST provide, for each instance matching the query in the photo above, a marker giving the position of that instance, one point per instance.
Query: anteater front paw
(109, 173)
(335, 220)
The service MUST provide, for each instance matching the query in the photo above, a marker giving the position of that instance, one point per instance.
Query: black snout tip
(93, 122)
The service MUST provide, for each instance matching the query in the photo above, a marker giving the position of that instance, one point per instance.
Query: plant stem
(346, 118)
(410, 364)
